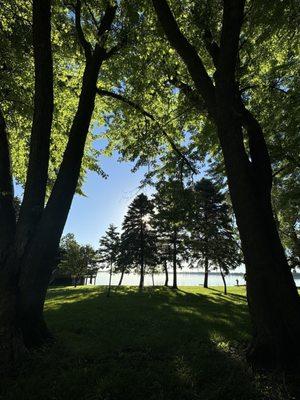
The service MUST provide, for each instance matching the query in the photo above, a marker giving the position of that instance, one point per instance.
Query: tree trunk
(121, 277)
(141, 285)
(152, 275)
(166, 273)
(11, 341)
(273, 300)
(205, 272)
(109, 283)
(175, 263)
(28, 262)
(272, 296)
(224, 280)
(7, 211)
(37, 265)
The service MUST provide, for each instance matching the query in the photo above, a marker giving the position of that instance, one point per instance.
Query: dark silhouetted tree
(110, 251)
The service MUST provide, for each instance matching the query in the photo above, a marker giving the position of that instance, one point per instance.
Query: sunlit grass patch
(157, 343)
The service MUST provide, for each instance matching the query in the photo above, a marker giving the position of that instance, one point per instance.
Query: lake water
(183, 279)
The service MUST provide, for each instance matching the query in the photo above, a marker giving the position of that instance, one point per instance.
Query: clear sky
(106, 200)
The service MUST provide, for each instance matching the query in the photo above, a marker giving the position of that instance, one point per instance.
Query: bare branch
(102, 92)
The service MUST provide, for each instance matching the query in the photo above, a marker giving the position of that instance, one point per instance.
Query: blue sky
(106, 200)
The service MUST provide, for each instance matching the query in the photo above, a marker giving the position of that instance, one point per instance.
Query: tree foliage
(76, 260)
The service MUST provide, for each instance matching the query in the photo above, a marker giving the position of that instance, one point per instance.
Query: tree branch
(229, 44)
(107, 20)
(188, 54)
(37, 173)
(102, 92)
(82, 40)
(211, 47)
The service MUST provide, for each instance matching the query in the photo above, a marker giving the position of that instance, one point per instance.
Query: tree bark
(27, 266)
(7, 211)
(37, 172)
(34, 195)
(273, 300)
(38, 263)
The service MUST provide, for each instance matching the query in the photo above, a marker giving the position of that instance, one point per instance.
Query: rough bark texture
(274, 303)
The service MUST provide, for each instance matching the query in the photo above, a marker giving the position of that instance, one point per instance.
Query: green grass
(154, 345)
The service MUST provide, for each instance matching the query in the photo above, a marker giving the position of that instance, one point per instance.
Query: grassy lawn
(158, 344)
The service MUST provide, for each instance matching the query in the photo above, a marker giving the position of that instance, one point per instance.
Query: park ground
(158, 344)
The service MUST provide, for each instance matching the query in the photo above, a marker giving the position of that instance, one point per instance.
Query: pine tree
(138, 240)
(171, 209)
(79, 261)
(110, 251)
(212, 237)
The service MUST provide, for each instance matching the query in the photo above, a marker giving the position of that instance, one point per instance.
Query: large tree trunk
(27, 260)
(11, 341)
(34, 194)
(274, 303)
(38, 263)
(272, 296)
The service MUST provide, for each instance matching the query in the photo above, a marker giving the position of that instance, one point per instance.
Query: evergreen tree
(138, 238)
(109, 251)
(171, 209)
(212, 240)
(79, 261)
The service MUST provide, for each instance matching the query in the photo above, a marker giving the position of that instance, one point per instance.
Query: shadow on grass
(150, 345)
